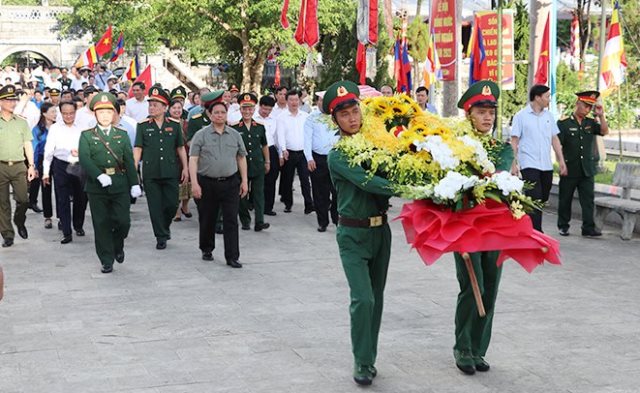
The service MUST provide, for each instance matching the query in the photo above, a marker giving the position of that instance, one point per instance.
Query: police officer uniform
(364, 240)
(158, 147)
(15, 144)
(105, 154)
(472, 332)
(578, 147)
(255, 141)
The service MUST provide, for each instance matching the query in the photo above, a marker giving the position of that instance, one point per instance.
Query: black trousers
(67, 186)
(270, 179)
(542, 181)
(34, 189)
(297, 161)
(324, 193)
(219, 195)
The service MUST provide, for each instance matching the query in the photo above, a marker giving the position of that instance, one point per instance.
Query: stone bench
(626, 177)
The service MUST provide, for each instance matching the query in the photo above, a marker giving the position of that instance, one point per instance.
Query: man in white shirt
(290, 131)
(281, 102)
(263, 116)
(61, 151)
(112, 84)
(138, 107)
(76, 79)
(85, 118)
(121, 120)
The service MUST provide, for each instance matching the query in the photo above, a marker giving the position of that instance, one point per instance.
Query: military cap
(90, 89)
(8, 92)
(157, 93)
(178, 92)
(103, 101)
(589, 97)
(247, 99)
(483, 93)
(54, 92)
(234, 88)
(339, 93)
(212, 98)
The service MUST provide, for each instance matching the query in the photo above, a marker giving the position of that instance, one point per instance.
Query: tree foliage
(240, 33)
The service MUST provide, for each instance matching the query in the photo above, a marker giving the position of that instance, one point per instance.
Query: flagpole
(619, 125)
(553, 61)
(603, 33)
(499, 114)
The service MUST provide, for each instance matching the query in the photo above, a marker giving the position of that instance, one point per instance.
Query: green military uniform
(578, 149)
(110, 205)
(196, 123)
(472, 332)
(14, 133)
(160, 169)
(180, 93)
(255, 140)
(364, 241)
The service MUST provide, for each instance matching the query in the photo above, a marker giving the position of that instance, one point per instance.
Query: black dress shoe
(271, 213)
(246, 227)
(80, 232)
(481, 364)
(322, 229)
(161, 245)
(287, 209)
(234, 264)
(563, 232)
(589, 233)
(107, 269)
(309, 210)
(66, 239)
(59, 226)
(120, 256)
(7, 243)
(22, 231)
(467, 369)
(47, 223)
(262, 226)
(187, 214)
(35, 208)
(207, 256)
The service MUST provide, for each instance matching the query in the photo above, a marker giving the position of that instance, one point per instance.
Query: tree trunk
(388, 18)
(418, 8)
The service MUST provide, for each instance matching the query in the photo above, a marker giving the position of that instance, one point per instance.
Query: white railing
(22, 13)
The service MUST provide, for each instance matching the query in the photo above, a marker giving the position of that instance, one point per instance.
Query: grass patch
(605, 173)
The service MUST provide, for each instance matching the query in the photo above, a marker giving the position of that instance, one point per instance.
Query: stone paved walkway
(168, 322)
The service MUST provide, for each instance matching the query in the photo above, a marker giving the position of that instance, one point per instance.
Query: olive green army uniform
(472, 332)
(110, 206)
(13, 172)
(160, 171)
(254, 137)
(196, 123)
(364, 252)
(578, 148)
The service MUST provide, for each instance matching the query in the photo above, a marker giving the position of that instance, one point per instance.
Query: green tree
(514, 100)
(240, 33)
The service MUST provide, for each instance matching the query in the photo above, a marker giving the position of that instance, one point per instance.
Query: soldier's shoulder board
(173, 120)
(147, 120)
(196, 116)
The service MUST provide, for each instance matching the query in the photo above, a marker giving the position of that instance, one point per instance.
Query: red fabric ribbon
(361, 63)
(283, 15)
(434, 230)
(308, 31)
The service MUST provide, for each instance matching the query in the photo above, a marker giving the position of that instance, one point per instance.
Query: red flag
(106, 42)
(144, 77)
(276, 80)
(373, 21)
(361, 63)
(478, 67)
(308, 31)
(283, 15)
(542, 73)
(119, 49)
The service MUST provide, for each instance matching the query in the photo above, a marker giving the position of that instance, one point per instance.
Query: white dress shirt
(290, 130)
(136, 109)
(60, 141)
(277, 111)
(269, 124)
(85, 119)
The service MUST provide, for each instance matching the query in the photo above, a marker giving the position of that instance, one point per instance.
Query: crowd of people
(226, 150)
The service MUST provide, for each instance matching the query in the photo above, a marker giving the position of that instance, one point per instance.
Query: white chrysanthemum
(439, 150)
(507, 183)
(481, 154)
(453, 183)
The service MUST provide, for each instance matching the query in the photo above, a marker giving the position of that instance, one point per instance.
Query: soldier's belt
(112, 171)
(371, 222)
(11, 163)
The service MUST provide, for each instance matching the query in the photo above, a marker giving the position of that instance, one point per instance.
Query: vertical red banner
(443, 26)
(488, 22)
